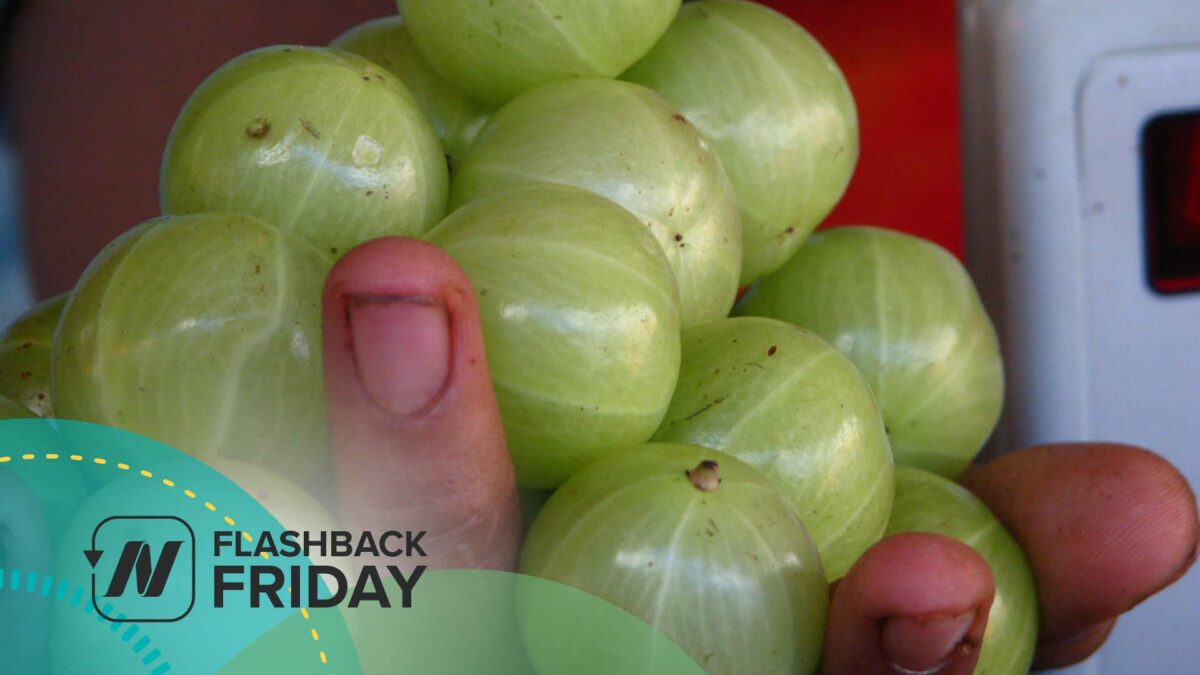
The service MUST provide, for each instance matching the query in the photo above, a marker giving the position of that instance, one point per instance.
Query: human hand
(418, 440)
(1104, 527)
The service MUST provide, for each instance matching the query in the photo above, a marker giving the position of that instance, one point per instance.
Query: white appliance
(1082, 168)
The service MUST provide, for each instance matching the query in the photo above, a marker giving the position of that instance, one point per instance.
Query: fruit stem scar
(705, 476)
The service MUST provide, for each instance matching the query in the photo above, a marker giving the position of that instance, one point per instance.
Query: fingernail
(401, 350)
(924, 646)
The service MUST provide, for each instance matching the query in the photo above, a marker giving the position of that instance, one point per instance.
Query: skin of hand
(418, 441)
(412, 415)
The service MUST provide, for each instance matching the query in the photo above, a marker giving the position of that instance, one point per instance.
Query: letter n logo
(151, 578)
(143, 568)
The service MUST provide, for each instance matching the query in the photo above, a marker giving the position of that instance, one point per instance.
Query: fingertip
(913, 602)
(402, 271)
(1079, 510)
(395, 266)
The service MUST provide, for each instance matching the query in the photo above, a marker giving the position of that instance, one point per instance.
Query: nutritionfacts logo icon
(143, 568)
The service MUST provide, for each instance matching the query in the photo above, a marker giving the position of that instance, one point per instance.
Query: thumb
(416, 433)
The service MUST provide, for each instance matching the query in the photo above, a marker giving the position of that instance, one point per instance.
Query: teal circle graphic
(107, 537)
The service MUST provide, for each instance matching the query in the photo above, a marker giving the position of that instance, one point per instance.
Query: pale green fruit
(926, 502)
(580, 319)
(290, 504)
(455, 118)
(11, 410)
(493, 50)
(203, 332)
(708, 554)
(906, 312)
(782, 400)
(318, 142)
(774, 106)
(624, 142)
(25, 357)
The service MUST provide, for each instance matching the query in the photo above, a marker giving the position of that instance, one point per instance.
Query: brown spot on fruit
(259, 128)
(705, 475)
(308, 127)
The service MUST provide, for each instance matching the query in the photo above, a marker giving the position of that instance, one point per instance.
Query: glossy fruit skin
(318, 142)
(625, 142)
(774, 106)
(203, 332)
(455, 118)
(493, 51)
(785, 402)
(634, 530)
(926, 502)
(908, 315)
(11, 410)
(580, 322)
(25, 357)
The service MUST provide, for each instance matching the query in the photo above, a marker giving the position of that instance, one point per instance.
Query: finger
(1104, 527)
(413, 420)
(914, 602)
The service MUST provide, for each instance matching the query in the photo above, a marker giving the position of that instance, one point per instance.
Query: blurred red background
(95, 87)
(899, 58)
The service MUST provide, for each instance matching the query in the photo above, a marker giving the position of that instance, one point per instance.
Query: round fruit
(317, 142)
(25, 357)
(496, 50)
(202, 332)
(622, 141)
(926, 502)
(455, 118)
(776, 109)
(697, 544)
(580, 318)
(288, 503)
(782, 400)
(906, 312)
